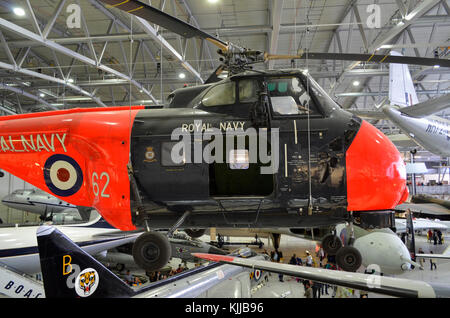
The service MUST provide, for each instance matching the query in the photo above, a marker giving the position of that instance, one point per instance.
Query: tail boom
(79, 156)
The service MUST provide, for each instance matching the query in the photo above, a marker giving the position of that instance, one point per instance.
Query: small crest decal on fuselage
(150, 155)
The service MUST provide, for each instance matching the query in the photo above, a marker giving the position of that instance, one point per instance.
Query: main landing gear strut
(347, 257)
(152, 250)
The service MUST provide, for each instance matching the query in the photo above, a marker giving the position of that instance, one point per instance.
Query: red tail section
(78, 155)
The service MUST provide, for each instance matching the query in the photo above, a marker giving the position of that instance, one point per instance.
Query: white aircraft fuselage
(377, 247)
(432, 132)
(38, 202)
(19, 251)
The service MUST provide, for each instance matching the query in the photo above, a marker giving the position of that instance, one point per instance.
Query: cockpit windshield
(326, 102)
(289, 97)
(219, 95)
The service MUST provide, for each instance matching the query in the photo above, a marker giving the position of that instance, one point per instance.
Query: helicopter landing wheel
(331, 244)
(195, 233)
(349, 259)
(152, 251)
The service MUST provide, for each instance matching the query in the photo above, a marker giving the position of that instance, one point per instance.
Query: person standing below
(432, 262)
(309, 259)
(321, 255)
(299, 261)
(421, 260)
(317, 288)
(277, 258)
(439, 234)
(363, 294)
(308, 290)
(293, 260)
(129, 277)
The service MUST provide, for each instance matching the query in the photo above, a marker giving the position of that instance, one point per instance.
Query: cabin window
(167, 160)
(289, 97)
(248, 91)
(222, 94)
(239, 159)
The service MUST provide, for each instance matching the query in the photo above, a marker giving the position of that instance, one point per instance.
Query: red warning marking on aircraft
(214, 258)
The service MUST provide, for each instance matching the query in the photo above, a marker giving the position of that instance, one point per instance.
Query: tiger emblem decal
(86, 282)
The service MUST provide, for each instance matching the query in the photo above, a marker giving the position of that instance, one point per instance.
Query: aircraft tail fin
(401, 87)
(69, 272)
(428, 107)
(411, 242)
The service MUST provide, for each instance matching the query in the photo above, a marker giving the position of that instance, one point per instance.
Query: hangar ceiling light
(19, 11)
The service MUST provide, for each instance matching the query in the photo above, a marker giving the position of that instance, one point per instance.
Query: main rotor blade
(165, 20)
(364, 58)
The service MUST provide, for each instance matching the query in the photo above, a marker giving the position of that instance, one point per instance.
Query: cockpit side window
(220, 95)
(289, 97)
(248, 91)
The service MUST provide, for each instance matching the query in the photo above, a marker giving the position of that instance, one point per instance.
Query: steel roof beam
(51, 79)
(151, 31)
(22, 92)
(61, 49)
(277, 10)
(384, 38)
(228, 31)
(195, 22)
(421, 92)
(412, 16)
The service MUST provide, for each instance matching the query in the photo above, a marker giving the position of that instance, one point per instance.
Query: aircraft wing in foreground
(70, 272)
(372, 283)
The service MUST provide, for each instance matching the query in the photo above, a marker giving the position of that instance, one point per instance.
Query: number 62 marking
(95, 186)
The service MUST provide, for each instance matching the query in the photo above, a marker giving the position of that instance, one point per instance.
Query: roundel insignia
(63, 175)
(257, 274)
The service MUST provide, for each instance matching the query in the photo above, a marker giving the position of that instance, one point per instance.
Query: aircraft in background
(86, 277)
(380, 247)
(19, 251)
(46, 205)
(426, 206)
(119, 160)
(421, 224)
(53, 209)
(181, 244)
(377, 246)
(390, 286)
(415, 119)
(444, 255)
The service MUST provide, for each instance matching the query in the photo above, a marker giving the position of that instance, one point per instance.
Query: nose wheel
(195, 233)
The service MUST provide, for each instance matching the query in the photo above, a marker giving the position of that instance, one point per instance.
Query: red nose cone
(376, 173)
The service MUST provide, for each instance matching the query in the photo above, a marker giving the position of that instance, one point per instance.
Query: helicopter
(257, 149)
